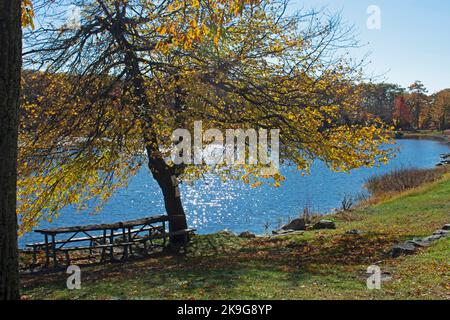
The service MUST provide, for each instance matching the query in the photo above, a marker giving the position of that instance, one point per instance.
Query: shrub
(402, 179)
(347, 203)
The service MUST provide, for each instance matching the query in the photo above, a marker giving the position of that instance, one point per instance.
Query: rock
(446, 227)
(286, 232)
(403, 249)
(443, 233)
(247, 235)
(386, 276)
(227, 232)
(354, 232)
(433, 238)
(296, 224)
(324, 224)
(281, 231)
(419, 243)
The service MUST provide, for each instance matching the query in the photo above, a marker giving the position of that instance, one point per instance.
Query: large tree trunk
(10, 67)
(168, 183)
(164, 175)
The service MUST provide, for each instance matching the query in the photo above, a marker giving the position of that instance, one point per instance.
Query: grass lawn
(327, 264)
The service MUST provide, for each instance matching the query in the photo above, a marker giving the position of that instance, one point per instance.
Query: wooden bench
(38, 245)
(128, 245)
(105, 237)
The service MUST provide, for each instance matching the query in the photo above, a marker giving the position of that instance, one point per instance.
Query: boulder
(419, 243)
(446, 227)
(442, 233)
(354, 232)
(433, 238)
(296, 224)
(286, 232)
(281, 231)
(386, 276)
(247, 235)
(403, 249)
(227, 232)
(324, 224)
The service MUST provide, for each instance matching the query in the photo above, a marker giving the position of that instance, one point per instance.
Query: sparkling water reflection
(212, 205)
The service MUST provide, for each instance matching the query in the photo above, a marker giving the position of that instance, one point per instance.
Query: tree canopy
(99, 96)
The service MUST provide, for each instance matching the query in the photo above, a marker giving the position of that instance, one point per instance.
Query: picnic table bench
(127, 235)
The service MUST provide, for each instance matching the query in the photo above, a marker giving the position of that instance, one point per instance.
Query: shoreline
(433, 135)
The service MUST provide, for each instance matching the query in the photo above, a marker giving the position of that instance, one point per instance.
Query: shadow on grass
(217, 266)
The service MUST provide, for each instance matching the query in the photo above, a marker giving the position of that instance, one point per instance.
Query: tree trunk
(164, 175)
(168, 183)
(10, 67)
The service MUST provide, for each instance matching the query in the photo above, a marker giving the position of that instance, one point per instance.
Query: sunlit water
(212, 205)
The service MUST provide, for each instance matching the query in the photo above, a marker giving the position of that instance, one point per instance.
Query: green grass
(324, 264)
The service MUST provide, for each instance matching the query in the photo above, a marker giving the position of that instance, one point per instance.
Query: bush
(402, 179)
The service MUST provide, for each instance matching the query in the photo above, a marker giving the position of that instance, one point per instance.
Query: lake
(212, 205)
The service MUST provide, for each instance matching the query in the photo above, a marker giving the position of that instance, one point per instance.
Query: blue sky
(412, 44)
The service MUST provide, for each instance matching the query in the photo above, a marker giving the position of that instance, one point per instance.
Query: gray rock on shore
(354, 232)
(432, 238)
(404, 248)
(410, 246)
(296, 224)
(442, 233)
(282, 232)
(227, 232)
(324, 224)
(420, 243)
(247, 235)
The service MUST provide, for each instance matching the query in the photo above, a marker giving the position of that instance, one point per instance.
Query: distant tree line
(409, 108)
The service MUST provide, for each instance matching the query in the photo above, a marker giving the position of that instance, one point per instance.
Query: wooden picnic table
(106, 237)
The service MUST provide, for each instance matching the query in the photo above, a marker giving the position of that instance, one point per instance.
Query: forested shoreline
(412, 108)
